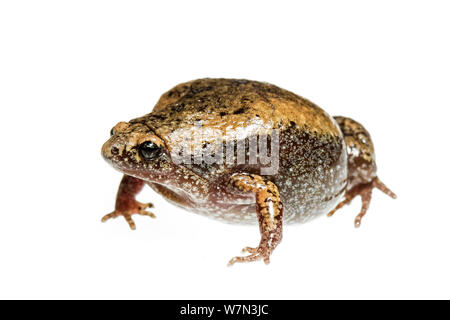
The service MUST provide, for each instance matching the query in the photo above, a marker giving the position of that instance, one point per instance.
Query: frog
(243, 152)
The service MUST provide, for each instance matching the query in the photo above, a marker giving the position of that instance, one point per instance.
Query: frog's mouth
(126, 161)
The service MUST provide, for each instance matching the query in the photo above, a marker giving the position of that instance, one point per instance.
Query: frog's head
(136, 150)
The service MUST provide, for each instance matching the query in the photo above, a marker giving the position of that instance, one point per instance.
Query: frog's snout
(113, 146)
(109, 149)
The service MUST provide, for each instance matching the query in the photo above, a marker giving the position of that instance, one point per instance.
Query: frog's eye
(111, 132)
(149, 150)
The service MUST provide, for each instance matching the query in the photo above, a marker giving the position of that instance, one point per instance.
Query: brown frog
(244, 152)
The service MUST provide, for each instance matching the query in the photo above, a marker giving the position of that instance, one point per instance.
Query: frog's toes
(138, 208)
(366, 197)
(143, 206)
(382, 187)
(348, 199)
(249, 250)
(365, 192)
(254, 255)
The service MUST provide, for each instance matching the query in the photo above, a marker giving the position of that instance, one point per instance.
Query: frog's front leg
(269, 212)
(126, 204)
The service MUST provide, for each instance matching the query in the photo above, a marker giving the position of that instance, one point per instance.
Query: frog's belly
(300, 205)
(294, 211)
(246, 214)
(232, 213)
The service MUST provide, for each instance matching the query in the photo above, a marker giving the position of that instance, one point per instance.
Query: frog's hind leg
(362, 169)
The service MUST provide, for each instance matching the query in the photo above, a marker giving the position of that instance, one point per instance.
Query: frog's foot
(136, 208)
(262, 252)
(365, 191)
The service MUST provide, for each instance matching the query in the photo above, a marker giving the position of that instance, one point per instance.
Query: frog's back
(226, 105)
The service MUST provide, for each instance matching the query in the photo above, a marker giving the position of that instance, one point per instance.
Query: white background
(70, 70)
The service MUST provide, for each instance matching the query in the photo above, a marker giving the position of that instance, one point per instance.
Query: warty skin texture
(321, 159)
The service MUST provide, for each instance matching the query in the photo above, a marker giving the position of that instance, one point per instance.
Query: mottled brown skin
(321, 159)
